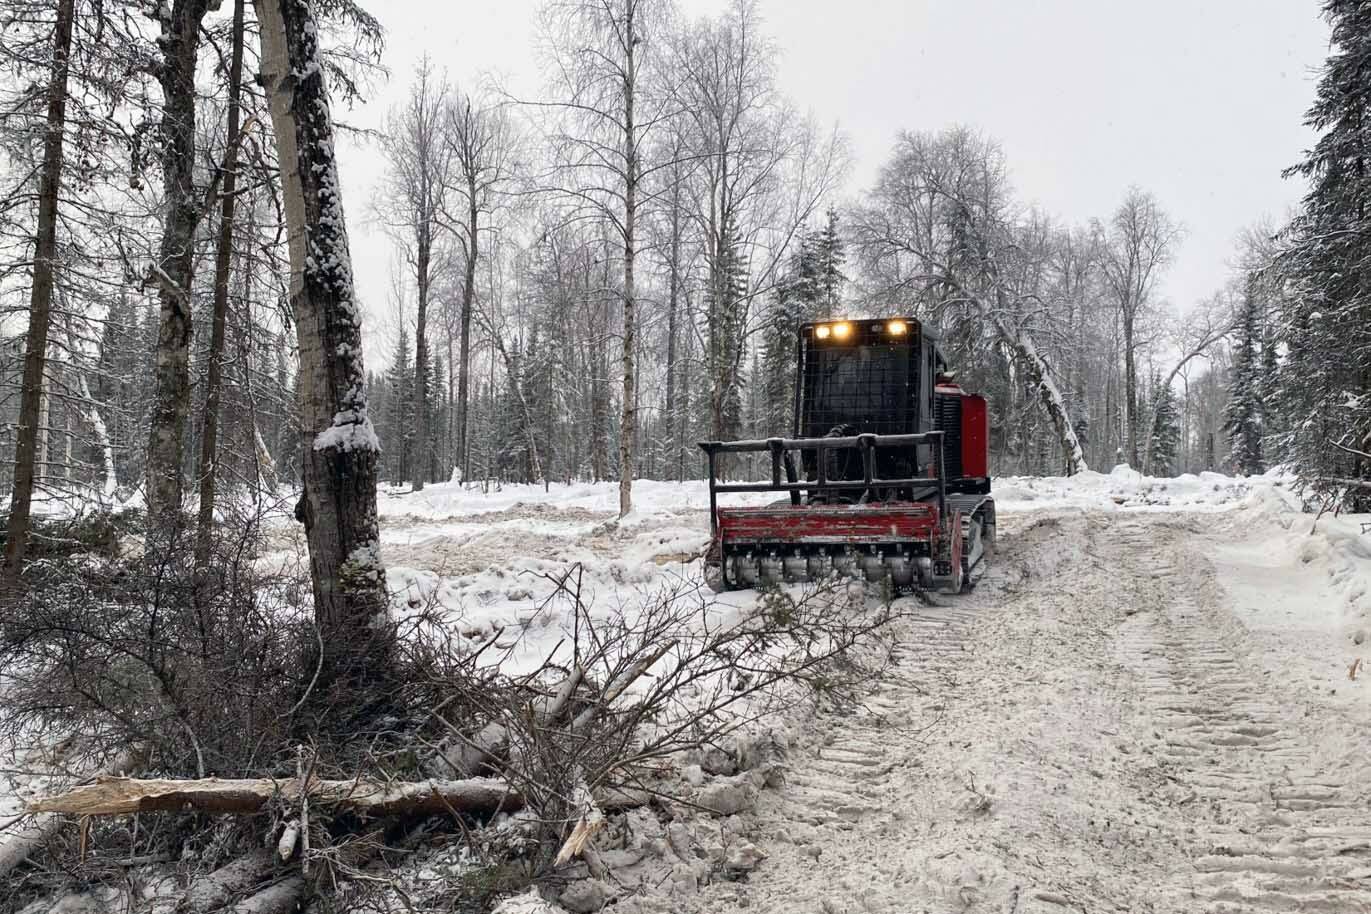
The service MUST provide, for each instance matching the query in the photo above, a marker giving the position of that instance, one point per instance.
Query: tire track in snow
(1094, 731)
(1273, 828)
(967, 781)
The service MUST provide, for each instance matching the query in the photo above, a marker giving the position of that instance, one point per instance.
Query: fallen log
(15, 847)
(283, 897)
(235, 879)
(111, 796)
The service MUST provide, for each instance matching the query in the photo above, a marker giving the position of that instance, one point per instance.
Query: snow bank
(1317, 568)
(650, 497)
(1124, 488)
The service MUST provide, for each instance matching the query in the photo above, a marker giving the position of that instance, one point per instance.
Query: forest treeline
(587, 282)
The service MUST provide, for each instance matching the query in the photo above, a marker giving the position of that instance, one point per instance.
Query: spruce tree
(828, 248)
(1325, 379)
(778, 370)
(727, 302)
(116, 389)
(811, 289)
(1167, 440)
(1243, 417)
(513, 461)
(400, 419)
(437, 416)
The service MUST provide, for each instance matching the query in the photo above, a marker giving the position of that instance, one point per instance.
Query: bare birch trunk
(672, 306)
(40, 297)
(97, 422)
(419, 466)
(338, 506)
(223, 260)
(1051, 398)
(468, 301)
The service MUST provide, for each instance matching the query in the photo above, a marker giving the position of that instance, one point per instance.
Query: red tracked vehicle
(887, 476)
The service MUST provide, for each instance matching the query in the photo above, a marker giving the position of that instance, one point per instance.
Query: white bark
(338, 506)
(1048, 393)
(266, 464)
(97, 422)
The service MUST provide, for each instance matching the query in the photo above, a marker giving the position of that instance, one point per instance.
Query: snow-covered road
(1117, 720)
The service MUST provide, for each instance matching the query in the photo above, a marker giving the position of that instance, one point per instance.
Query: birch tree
(939, 229)
(761, 172)
(481, 141)
(338, 506)
(1141, 241)
(420, 170)
(604, 56)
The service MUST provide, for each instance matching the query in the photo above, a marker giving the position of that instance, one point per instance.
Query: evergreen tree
(1167, 440)
(513, 461)
(437, 416)
(116, 389)
(829, 257)
(727, 301)
(811, 289)
(1325, 379)
(778, 370)
(400, 420)
(1243, 417)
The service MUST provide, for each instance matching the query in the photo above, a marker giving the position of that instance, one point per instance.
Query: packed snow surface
(1152, 702)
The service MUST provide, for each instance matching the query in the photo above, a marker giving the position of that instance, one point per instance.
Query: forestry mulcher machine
(887, 476)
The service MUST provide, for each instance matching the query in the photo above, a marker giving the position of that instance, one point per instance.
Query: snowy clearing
(1150, 703)
(1146, 706)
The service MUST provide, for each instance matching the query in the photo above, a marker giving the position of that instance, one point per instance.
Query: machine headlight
(821, 331)
(897, 328)
(842, 331)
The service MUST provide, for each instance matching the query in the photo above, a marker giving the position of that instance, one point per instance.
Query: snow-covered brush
(612, 710)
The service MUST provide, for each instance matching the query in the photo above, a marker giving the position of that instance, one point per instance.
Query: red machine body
(886, 477)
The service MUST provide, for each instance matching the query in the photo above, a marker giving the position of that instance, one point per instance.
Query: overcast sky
(1199, 101)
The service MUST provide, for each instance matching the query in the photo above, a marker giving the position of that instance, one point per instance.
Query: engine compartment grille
(947, 418)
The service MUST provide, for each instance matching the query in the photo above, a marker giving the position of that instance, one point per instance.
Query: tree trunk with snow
(40, 297)
(175, 269)
(674, 445)
(102, 439)
(419, 466)
(338, 506)
(223, 260)
(1048, 393)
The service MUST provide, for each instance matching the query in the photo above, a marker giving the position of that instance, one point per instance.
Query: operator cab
(885, 377)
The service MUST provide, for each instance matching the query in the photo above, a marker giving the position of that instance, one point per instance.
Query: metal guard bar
(781, 448)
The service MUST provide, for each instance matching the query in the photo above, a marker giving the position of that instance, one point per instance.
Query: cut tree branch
(122, 796)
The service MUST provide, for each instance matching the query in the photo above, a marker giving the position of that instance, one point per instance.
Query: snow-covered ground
(1145, 707)
(1150, 704)
(488, 560)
